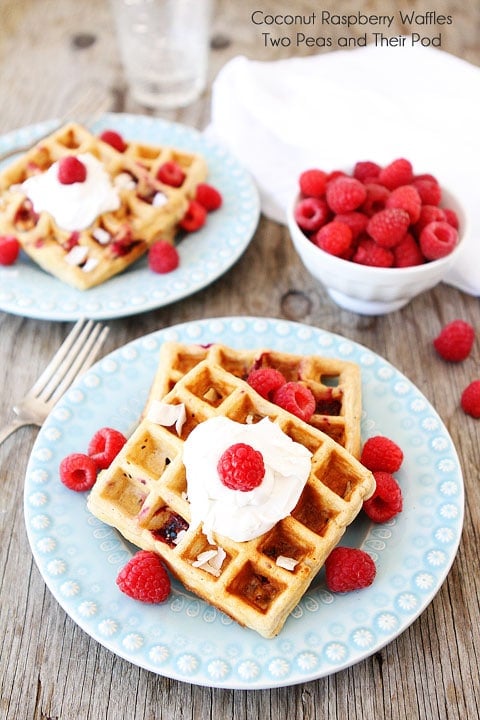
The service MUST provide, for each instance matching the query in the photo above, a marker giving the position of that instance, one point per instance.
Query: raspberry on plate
(455, 341)
(349, 569)
(381, 453)
(9, 249)
(386, 501)
(194, 218)
(105, 446)
(71, 170)
(241, 467)
(313, 183)
(163, 257)
(78, 472)
(437, 240)
(334, 237)
(297, 399)
(170, 173)
(145, 578)
(113, 138)
(470, 400)
(208, 196)
(345, 194)
(265, 381)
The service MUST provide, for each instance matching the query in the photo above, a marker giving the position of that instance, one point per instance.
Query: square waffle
(115, 239)
(143, 495)
(335, 384)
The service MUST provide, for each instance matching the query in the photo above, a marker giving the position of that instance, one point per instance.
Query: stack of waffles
(144, 492)
(148, 209)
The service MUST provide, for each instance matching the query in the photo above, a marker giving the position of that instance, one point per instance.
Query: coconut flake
(159, 199)
(124, 181)
(165, 414)
(179, 537)
(90, 265)
(211, 561)
(77, 255)
(101, 235)
(287, 563)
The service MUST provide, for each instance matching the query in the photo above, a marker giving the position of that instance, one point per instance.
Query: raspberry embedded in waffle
(94, 242)
(257, 582)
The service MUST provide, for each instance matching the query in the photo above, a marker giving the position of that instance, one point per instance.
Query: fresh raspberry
(163, 257)
(170, 173)
(335, 174)
(145, 578)
(376, 199)
(399, 172)
(208, 196)
(470, 400)
(241, 467)
(379, 453)
(356, 221)
(428, 188)
(297, 399)
(407, 253)
(311, 213)
(349, 569)
(334, 237)
(105, 446)
(312, 183)
(455, 341)
(9, 249)
(194, 218)
(406, 197)
(345, 194)
(71, 170)
(388, 226)
(451, 218)
(78, 472)
(265, 381)
(113, 138)
(428, 214)
(369, 253)
(386, 501)
(366, 171)
(437, 240)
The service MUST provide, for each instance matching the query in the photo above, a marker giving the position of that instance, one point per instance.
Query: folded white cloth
(370, 103)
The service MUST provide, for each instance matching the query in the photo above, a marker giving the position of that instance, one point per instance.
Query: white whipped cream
(237, 514)
(75, 206)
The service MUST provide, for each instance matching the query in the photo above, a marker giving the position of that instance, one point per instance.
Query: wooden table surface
(50, 668)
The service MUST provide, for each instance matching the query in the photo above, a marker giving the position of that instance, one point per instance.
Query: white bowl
(371, 290)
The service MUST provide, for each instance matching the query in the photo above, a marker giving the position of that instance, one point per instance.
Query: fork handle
(8, 430)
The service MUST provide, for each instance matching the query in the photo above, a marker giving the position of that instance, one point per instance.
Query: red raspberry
(428, 214)
(366, 171)
(470, 400)
(113, 138)
(311, 214)
(386, 501)
(334, 237)
(71, 170)
(208, 196)
(399, 172)
(407, 198)
(407, 253)
(335, 174)
(265, 381)
(170, 173)
(241, 467)
(369, 253)
(437, 240)
(297, 399)
(388, 226)
(376, 198)
(349, 569)
(312, 183)
(379, 453)
(345, 194)
(78, 472)
(455, 341)
(9, 249)
(145, 578)
(451, 217)
(105, 446)
(356, 221)
(194, 218)
(163, 257)
(428, 188)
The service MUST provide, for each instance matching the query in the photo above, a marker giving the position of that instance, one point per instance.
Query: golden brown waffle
(143, 495)
(335, 384)
(116, 238)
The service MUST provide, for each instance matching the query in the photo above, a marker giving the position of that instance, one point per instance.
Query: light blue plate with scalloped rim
(25, 289)
(79, 557)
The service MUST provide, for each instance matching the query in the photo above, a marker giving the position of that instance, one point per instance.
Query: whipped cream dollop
(75, 206)
(237, 514)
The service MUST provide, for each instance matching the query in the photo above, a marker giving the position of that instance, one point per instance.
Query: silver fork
(74, 356)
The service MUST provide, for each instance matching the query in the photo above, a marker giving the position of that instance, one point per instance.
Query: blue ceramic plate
(79, 557)
(25, 289)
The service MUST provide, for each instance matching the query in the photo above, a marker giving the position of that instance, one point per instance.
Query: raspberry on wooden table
(381, 453)
(455, 341)
(145, 578)
(9, 249)
(349, 569)
(470, 400)
(386, 501)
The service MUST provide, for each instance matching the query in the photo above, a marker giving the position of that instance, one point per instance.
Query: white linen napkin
(371, 103)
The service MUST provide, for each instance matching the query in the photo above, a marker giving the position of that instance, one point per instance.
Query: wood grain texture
(49, 668)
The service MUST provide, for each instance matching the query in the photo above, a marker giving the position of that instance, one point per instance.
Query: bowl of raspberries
(375, 235)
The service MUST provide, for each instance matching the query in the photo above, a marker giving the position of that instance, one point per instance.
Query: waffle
(143, 495)
(335, 384)
(115, 239)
